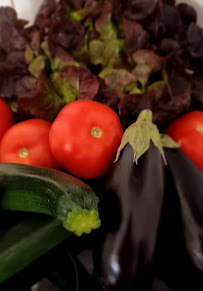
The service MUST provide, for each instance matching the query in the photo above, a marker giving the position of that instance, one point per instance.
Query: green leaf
(58, 62)
(96, 50)
(112, 50)
(108, 32)
(37, 65)
(77, 16)
(64, 88)
(117, 79)
(29, 55)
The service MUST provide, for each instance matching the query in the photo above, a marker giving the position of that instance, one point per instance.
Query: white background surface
(27, 8)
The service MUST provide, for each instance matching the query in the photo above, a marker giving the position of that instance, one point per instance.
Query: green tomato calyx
(23, 153)
(200, 128)
(96, 132)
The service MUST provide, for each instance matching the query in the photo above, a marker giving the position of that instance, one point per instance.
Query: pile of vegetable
(101, 127)
(129, 55)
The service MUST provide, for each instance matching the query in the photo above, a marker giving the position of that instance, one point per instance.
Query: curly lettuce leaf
(37, 98)
(158, 99)
(74, 83)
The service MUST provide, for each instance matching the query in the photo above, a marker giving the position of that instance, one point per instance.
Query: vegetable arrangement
(91, 85)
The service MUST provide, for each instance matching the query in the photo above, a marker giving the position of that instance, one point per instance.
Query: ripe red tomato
(6, 117)
(84, 138)
(188, 131)
(27, 142)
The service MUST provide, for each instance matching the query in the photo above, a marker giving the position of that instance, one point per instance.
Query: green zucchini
(51, 192)
(28, 240)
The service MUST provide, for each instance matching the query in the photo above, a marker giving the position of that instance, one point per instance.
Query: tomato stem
(23, 153)
(200, 128)
(96, 132)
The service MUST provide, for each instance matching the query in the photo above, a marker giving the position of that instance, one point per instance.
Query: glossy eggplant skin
(173, 262)
(130, 212)
(188, 181)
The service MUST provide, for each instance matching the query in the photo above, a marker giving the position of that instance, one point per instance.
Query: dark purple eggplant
(189, 187)
(130, 212)
(173, 265)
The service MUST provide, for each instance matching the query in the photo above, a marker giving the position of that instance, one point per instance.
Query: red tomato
(84, 138)
(27, 142)
(6, 117)
(188, 131)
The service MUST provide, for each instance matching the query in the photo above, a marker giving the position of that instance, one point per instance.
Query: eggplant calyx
(168, 142)
(140, 134)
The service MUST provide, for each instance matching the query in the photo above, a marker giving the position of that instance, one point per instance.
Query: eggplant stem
(141, 133)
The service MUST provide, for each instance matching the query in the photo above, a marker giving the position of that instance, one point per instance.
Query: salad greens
(130, 55)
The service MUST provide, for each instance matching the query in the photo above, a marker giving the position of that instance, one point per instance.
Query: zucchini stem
(81, 221)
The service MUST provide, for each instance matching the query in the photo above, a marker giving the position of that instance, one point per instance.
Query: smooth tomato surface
(27, 142)
(6, 117)
(188, 131)
(84, 138)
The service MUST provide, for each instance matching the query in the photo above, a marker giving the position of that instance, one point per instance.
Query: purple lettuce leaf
(93, 8)
(66, 34)
(13, 44)
(75, 4)
(178, 78)
(195, 40)
(135, 36)
(151, 22)
(74, 83)
(9, 15)
(61, 59)
(138, 9)
(88, 84)
(187, 13)
(170, 21)
(46, 11)
(105, 17)
(13, 68)
(169, 2)
(147, 63)
(197, 93)
(15, 41)
(104, 24)
(118, 79)
(109, 97)
(90, 9)
(168, 46)
(37, 98)
(156, 98)
(34, 38)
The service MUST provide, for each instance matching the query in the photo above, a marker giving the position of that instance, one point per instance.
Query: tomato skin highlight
(187, 130)
(27, 142)
(84, 138)
(6, 117)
